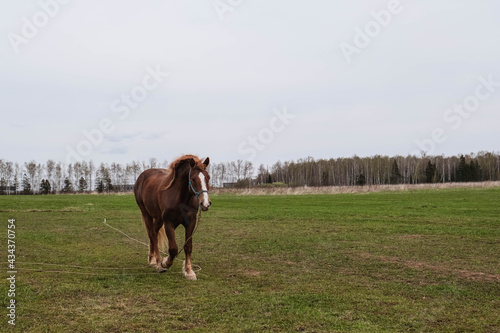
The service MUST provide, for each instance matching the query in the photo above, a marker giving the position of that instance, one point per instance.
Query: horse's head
(199, 182)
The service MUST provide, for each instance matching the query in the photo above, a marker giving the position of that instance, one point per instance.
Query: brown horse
(168, 198)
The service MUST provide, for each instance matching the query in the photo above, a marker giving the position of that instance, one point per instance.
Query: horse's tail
(162, 239)
(162, 236)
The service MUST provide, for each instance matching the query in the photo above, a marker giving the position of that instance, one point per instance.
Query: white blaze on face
(205, 200)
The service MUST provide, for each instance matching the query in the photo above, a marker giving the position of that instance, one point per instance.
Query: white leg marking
(188, 275)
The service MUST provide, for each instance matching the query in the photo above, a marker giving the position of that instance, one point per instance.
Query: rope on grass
(136, 240)
(80, 267)
(196, 268)
(198, 221)
(37, 270)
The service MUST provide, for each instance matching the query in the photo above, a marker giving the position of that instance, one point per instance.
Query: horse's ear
(206, 161)
(192, 163)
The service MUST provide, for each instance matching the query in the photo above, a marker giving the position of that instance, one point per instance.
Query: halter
(190, 187)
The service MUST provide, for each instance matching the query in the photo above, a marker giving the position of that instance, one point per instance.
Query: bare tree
(153, 163)
(247, 170)
(31, 170)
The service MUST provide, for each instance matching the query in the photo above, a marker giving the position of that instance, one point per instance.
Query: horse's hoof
(191, 275)
(160, 269)
(164, 263)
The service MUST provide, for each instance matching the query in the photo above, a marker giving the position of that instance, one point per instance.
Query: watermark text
(455, 115)
(11, 272)
(122, 107)
(32, 26)
(265, 136)
(224, 7)
(372, 29)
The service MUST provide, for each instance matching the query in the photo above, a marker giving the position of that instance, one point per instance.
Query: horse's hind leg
(156, 251)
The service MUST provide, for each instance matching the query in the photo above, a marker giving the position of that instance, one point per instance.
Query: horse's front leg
(172, 247)
(187, 269)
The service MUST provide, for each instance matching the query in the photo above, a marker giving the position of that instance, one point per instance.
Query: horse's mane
(175, 164)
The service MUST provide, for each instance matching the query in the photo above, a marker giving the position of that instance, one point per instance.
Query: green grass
(418, 261)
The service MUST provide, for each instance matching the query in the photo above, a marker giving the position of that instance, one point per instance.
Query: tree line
(84, 177)
(54, 177)
(382, 170)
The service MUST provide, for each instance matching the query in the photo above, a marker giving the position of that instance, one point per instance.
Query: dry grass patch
(305, 190)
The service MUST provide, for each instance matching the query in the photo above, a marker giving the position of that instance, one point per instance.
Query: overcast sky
(252, 79)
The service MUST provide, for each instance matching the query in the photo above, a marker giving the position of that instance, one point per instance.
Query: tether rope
(196, 268)
(138, 241)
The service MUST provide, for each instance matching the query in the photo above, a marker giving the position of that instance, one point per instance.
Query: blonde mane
(181, 160)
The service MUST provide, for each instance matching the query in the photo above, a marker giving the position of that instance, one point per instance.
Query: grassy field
(412, 261)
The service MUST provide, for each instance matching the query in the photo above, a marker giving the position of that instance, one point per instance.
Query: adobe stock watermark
(224, 7)
(32, 26)
(11, 271)
(266, 135)
(455, 115)
(122, 107)
(372, 29)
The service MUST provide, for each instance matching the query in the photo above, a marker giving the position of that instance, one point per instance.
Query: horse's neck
(181, 178)
(180, 186)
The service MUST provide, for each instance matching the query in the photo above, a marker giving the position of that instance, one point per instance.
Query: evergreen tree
(26, 185)
(269, 179)
(45, 187)
(82, 185)
(3, 186)
(360, 180)
(479, 172)
(107, 184)
(68, 186)
(431, 173)
(475, 172)
(99, 185)
(48, 186)
(463, 171)
(103, 181)
(396, 176)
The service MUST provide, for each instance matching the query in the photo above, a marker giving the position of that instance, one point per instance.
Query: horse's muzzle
(205, 207)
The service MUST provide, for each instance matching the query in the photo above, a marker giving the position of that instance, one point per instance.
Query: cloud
(154, 136)
(123, 137)
(116, 150)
